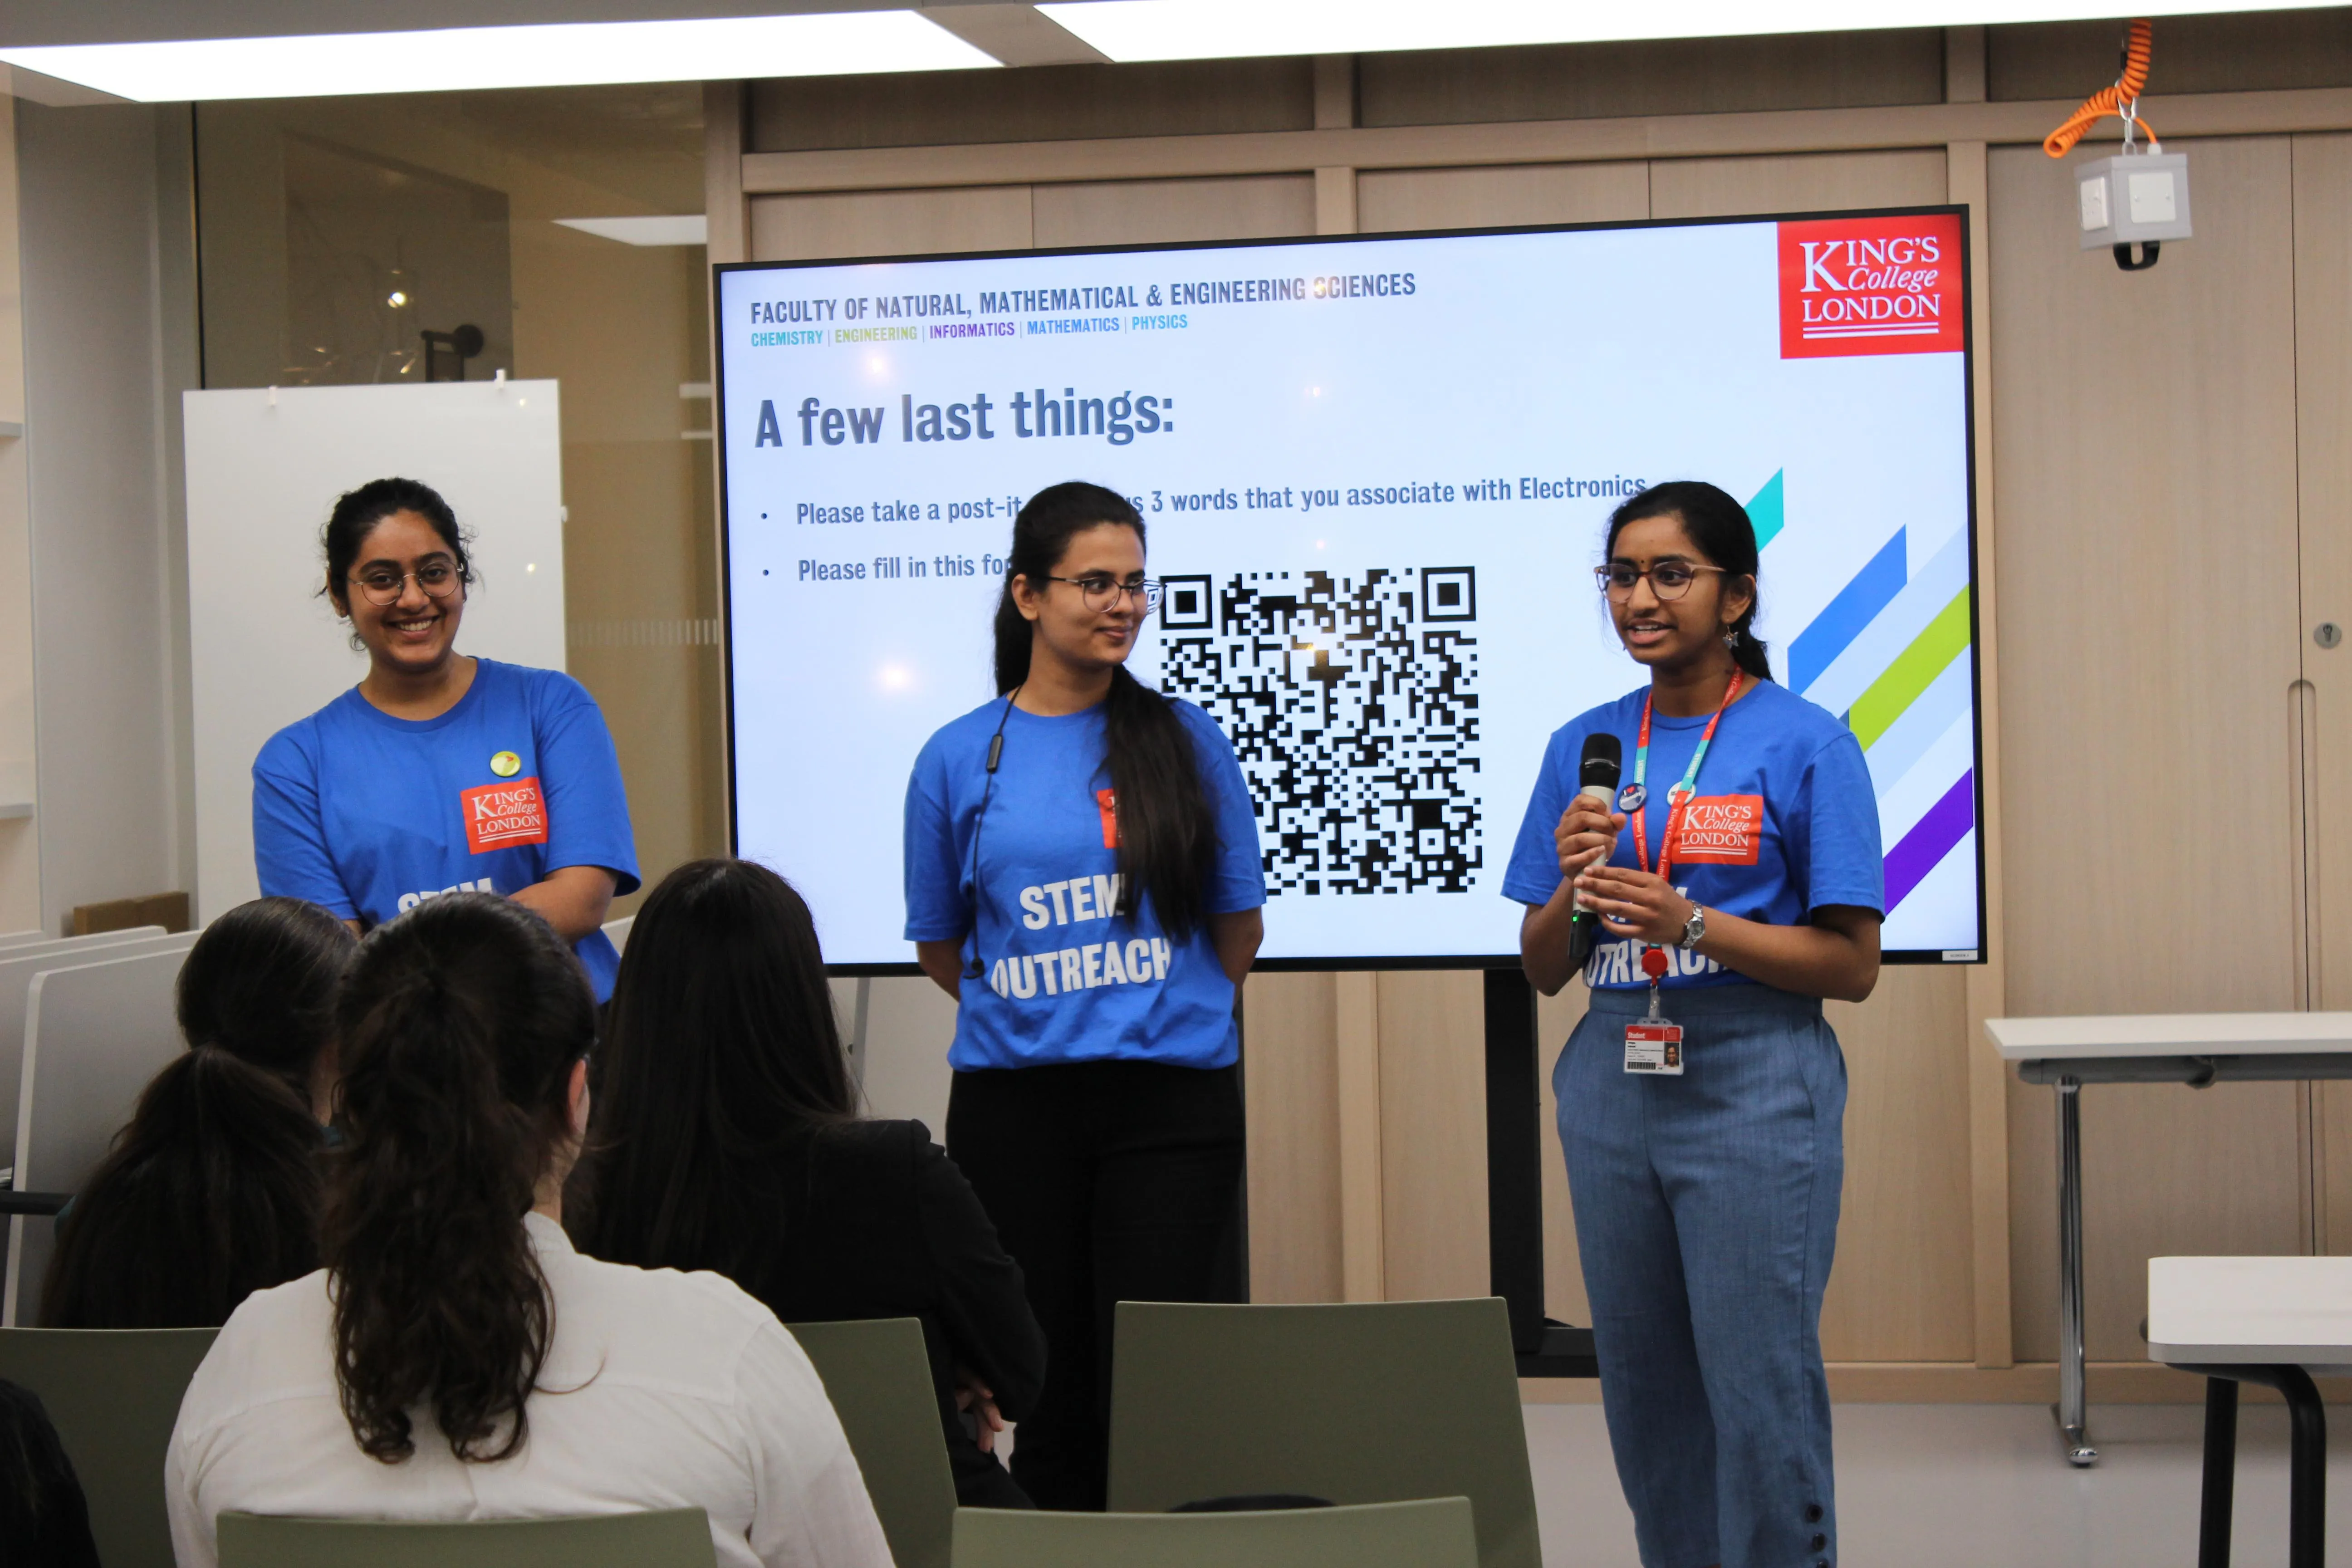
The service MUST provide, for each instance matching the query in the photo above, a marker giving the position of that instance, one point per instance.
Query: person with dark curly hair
(455, 1358)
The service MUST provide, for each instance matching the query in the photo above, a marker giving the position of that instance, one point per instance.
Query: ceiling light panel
(688, 228)
(1210, 29)
(458, 58)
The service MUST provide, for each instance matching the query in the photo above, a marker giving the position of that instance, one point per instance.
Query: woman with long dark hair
(1737, 882)
(439, 773)
(455, 1358)
(1083, 877)
(211, 1192)
(727, 1137)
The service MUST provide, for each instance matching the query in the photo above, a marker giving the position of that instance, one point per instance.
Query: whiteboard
(264, 468)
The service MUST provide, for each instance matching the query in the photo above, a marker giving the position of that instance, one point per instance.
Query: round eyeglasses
(1101, 591)
(383, 587)
(1668, 579)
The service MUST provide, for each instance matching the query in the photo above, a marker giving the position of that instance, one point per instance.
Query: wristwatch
(1694, 928)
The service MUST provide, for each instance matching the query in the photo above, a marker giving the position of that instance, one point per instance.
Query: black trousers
(1108, 1182)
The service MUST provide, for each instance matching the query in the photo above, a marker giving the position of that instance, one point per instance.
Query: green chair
(671, 1538)
(878, 1376)
(1432, 1533)
(1377, 1402)
(114, 1394)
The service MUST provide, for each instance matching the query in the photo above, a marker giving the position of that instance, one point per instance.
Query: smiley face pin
(505, 765)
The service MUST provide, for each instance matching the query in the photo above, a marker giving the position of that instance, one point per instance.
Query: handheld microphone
(1597, 771)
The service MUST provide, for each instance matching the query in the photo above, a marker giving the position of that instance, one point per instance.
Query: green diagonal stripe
(1767, 511)
(1944, 640)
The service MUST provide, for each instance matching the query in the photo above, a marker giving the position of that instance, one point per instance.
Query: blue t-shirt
(1067, 978)
(368, 816)
(1782, 821)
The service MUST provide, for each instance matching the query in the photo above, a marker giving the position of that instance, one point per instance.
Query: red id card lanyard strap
(1654, 958)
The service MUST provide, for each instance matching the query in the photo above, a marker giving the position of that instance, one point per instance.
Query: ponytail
(460, 1021)
(1724, 534)
(209, 1195)
(1167, 834)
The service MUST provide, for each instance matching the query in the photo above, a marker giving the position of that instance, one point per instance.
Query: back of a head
(211, 1192)
(259, 984)
(722, 1046)
(459, 1024)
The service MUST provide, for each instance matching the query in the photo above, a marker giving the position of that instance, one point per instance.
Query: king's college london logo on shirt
(1720, 830)
(502, 816)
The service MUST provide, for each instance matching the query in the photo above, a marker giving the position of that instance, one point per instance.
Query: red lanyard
(1679, 797)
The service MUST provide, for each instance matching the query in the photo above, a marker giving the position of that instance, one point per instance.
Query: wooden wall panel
(1433, 1034)
(889, 223)
(1397, 199)
(1289, 1072)
(2323, 360)
(2227, 53)
(1145, 212)
(1564, 1297)
(2144, 498)
(1722, 187)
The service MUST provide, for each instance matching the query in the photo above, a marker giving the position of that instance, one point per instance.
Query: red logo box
(1870, 286)
(1720, 830)
(500, 815)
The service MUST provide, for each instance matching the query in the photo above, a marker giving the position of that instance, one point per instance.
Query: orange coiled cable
(2109, 100)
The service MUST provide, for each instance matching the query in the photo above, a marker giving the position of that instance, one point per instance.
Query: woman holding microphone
(1702, 1096)
(1083, 877)
(439, 773)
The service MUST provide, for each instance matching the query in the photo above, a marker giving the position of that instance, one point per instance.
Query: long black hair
(722, 1048)
(211, 1192)
(1721, 529)
(358, 511)
(460, 1023)
(1167, 835)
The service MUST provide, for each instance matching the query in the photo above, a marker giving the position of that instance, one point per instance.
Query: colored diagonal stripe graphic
(1842, 619)
(1931, 839)
(1765, 511)
(1944, 640)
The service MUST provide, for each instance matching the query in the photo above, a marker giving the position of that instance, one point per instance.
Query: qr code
(1353, 703)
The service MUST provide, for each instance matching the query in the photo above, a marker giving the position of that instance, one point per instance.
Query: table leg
(2221, 1472)
(2074, 1395)
(2308, 1469)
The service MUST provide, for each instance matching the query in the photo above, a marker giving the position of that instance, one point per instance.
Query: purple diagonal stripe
(1930, 839)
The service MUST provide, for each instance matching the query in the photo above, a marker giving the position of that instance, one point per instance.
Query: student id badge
(1655, 1045)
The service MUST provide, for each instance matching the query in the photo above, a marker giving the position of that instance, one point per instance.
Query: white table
(2272, 1320)
(2193, 1048)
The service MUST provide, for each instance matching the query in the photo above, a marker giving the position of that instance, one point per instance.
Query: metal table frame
(2067, 1075)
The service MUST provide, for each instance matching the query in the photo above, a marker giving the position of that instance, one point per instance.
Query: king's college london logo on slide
(1870, 286)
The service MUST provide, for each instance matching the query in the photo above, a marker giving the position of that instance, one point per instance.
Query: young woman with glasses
(439, 773)
(1083, 877)
(1702, 1097)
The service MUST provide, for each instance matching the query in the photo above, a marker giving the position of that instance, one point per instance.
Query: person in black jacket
(725, 1135)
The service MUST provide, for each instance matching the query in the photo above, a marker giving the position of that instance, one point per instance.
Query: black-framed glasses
(383, 587)
(1668, 579)
(1101, 591)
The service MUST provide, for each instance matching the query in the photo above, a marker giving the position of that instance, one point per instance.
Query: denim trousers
(1706, 1210)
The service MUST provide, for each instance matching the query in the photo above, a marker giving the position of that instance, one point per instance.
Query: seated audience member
(211, 1192)
(727, 1137)
(43, 1518)
(455, 1358)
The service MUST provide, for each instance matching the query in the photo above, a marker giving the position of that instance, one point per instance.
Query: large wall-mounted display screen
(1376, 474)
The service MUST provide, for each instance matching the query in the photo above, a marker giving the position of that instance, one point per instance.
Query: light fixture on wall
(2139, 196)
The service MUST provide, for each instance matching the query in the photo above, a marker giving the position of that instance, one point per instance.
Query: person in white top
(456, 1359)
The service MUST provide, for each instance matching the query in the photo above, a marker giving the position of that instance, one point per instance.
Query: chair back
(113, 1394)
(1368, 1402)
(1432, 1533)
(878, 1376)
(671, 1538)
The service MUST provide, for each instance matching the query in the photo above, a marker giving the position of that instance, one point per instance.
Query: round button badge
(505, 765)
(1630, 798)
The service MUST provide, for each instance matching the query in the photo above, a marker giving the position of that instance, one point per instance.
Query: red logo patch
(1870, 286)
(1107, 802)
(500, 815)
(1720, 830)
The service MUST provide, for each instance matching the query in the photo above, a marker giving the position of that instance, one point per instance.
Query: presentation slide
(1377, 475)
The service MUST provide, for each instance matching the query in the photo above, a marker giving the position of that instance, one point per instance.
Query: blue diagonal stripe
(1842, 620)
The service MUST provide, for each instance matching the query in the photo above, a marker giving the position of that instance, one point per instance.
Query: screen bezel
(1976, 955)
